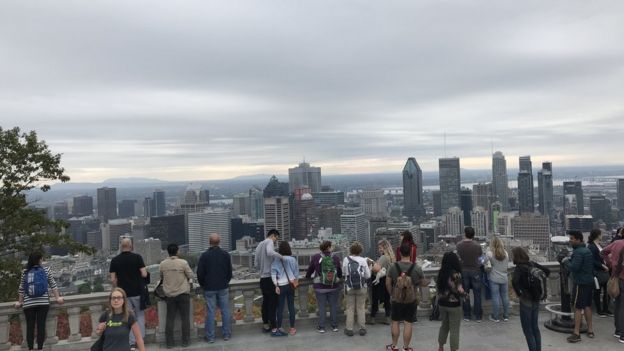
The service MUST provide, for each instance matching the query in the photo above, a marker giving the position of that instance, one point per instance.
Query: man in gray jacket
(265, 254)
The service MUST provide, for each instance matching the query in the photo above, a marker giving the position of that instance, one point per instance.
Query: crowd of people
(393, 279)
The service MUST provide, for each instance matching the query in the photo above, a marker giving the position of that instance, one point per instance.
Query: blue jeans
(530, 328)
(134, 302)
(331, 298)
(287, 294)
(472, 281)
(214, 299)
(499, 291)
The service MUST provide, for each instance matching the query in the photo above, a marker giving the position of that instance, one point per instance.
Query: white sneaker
(494, 319)
(621, 341)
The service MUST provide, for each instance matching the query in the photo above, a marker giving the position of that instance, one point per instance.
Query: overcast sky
(215, 89)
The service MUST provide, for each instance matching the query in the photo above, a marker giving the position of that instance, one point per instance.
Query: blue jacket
(281, 278)
(214, 270)
(581, 265)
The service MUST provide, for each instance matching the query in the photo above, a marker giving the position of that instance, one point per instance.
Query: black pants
(181, 304)
(269, 302)
(36, 316)
(601, 307)
(380, 294)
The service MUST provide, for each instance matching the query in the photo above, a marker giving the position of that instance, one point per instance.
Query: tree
(84, 288)
(26, 163)
(98, 284)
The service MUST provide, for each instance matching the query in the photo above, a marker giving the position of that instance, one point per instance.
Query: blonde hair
(386, 249)
(498, 248)
(124, 308)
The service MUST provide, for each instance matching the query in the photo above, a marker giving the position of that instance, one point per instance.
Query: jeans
(181, 304)
(269, 302)
(528, 317)
(356, 301)
(601, 306)
(380, 294)
(451, 321)
(287, 294)
(220, 299)
(135, 304)
(36, 316)
(499, 291)
(472, 281)
(619, 311)
(332, 299)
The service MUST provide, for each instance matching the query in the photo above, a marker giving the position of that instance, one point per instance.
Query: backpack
(355, 280)
(36, 282)
(328, 270)
(403, 290)
(537, 285)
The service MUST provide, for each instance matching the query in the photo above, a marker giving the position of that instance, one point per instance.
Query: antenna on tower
(445, 144)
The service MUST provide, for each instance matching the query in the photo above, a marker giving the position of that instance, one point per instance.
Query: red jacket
(611, 254)
(412, 254)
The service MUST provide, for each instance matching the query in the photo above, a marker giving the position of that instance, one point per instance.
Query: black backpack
(537, 285)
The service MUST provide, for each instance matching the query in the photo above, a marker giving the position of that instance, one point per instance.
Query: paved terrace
(85, 309)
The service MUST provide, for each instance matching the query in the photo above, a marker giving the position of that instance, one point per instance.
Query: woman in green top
(117, 322)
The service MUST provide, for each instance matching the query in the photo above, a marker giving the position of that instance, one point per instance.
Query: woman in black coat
(601, 272)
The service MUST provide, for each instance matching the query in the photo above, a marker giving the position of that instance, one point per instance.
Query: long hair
(407, 236)
(450, 265)
(593, 235)
(124, 308)
(34, 259)
(498, 248)
(618, 269)
(519, 255)
(386, 249)
(284, 248)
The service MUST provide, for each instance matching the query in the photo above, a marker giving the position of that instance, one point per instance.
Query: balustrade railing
(245, 300)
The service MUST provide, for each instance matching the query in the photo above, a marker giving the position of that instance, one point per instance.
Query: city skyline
(211, 90)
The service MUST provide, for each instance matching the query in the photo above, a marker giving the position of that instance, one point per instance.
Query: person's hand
(100, 328)
(277, 290)
(461, 290)
(605, 268)
(18, 304)
(60, 300)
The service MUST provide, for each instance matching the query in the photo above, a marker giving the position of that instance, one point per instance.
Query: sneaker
(133, 347)
(391, 348)
(617, 335)
(266, 329)
(574, 338)
(362, 331)
(602, 315)
(621, 341)
(226, 337)
(207, 339)
(292, 331)
(335, 328)
(506, 319)
(466, 319)
(494, 319)
(320, 330)
(349, 332)
(279, 332)
(478, 320)
(386, 321)
(609, 313)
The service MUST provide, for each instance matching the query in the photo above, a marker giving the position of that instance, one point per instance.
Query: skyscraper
(202, 224)
(159, 204)
(534, 227)
(304, 176)
(126, 208)
(83, 206)
(600, 208)
(482, 195)
(573, 198)
(620, 193)
(256, 203)
(454, 221)
(500, 184)
(107, 203)
(305, 215)
(465, 200)
(169, 229)
(277, 215)
(148, 207)
(526, 204)
(437, 203)
(545, 191)
(354, 226)
(195, 200)
(450, 183)
(412, 190)
(374, 203)
(479, 221)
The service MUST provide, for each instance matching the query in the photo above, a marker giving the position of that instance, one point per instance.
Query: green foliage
(191, 259)
(84, 288)
(26, 163)
(98, 284)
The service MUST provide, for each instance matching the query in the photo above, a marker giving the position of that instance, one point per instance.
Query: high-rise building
(112, 230)
(329, 217)
(437, 203)
(482, 195)
(107, 203)
(209, 221)
(354, 226)
(545, 191)
(450, 183)
(80, 227)
(526, 204)
(583, 223)
(465, 201)
(600, 208)
(329, 198)
(195, 200)
(83, 206)
(126, 208)
(275, 188)
(573, 198)
(240, 204)
(374, 203)
(430, 230)
(305, 215)
(530, 226)
(256, 203)
(413, 204)
(620, 193)
(500, 184)
(479, 221)
(148, 207)
(160, 207)
(454, 221)
(304, 176)
(149, 249)
(168, 229)
(277, 215)
(495, 210)
(241, 229)
(60, 210)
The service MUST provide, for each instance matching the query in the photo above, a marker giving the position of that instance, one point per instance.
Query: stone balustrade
(244, 295)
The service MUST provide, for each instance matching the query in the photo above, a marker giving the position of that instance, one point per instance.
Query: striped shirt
(43, 300)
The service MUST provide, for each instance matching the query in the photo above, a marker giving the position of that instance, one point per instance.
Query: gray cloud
(204, 89)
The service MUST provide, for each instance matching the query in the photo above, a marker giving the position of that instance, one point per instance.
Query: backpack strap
(409, 271)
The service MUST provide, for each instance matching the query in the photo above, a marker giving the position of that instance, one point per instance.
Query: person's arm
(338, 266)
(270, 251)
(113, 272)
(200, 271)
(367, 271)
(596, 256)
(142, 267)
(296, 273)
(113, 278)
(188, 272)
(136, 330)
(515, 281)
(345, 264)
(228, 267)
(575, 263)
(20, 291)
(275, 270)
(543, 268)
(389, 282)
(311, 267)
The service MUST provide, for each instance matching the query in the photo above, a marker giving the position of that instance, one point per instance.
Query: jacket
(284, 271)
(315, 269)
(598, 261)
(581, 265)
(265, 254)
(611, 253)
(214, 270)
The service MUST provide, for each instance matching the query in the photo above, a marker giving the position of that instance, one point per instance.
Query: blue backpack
(36, 282)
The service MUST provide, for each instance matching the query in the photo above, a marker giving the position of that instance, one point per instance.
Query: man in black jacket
(214, 272)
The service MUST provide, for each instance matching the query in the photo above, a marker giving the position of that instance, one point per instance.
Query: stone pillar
(193, 332)
(73, 314)
(95, 311)
(4, 332)
(303, 301)
(51, 337)
(162, 318)
(425, 297)
(248, 296)
(22, 319)
(231, 295)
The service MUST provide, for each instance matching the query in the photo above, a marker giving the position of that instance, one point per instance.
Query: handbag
(613, 287)
(294, 282)
(603, 277)
(159, 292)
